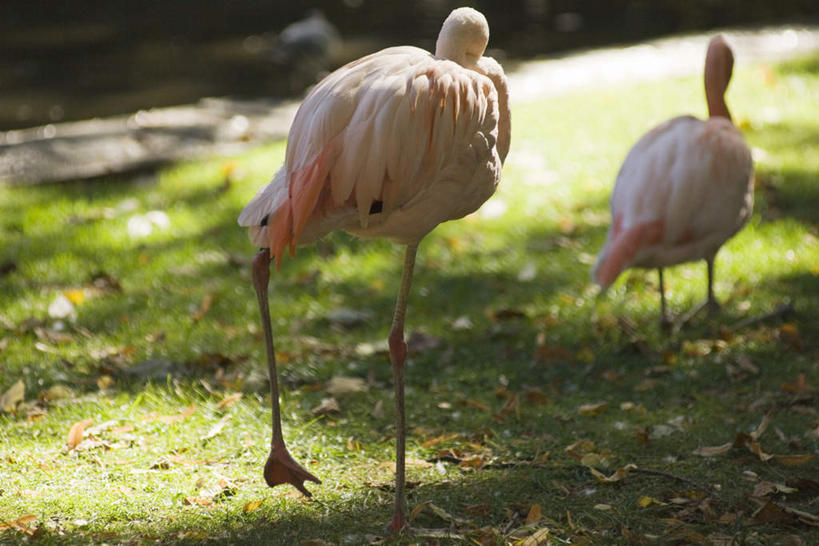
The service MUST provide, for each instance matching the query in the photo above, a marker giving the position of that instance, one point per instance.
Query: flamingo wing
(683, 190)
(371, 135)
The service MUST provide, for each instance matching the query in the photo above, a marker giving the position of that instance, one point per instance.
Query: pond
(75, 60)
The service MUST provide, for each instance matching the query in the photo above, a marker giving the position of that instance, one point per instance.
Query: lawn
(132, 361)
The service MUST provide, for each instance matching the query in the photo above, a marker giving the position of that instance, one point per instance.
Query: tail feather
(619, 252)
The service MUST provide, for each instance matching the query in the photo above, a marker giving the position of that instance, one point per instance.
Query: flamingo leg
(398, 354)
(710, 303)
(665, 320)
(280, 467)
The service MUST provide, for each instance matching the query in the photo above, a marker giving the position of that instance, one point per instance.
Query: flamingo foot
(281, 468)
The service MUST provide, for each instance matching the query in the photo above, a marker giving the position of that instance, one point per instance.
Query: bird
(388, 146)
(306, 48)
(684, 189)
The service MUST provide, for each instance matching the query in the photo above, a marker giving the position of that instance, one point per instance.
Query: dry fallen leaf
(341, 385)
(765, 488)
(592, 409)
(229, 400)
(75, 434)
(327, 405)
(21, 524)
(201, 501)
(616, 477)
(170, 418)
(714, 450)
(217, 428)
(417, 510)
(207, 301)
(646, 501)
(793, 460)
(534, 514)
(12, 397)
(538, 538)
(252, 505)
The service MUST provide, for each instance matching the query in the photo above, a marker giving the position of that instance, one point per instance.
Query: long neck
(492, 70)
(715, 96)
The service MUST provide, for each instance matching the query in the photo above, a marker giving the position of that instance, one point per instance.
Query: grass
(168, 321)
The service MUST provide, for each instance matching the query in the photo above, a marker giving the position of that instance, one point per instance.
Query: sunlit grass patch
(527, 377)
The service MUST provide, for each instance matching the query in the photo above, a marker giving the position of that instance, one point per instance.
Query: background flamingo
(684, 189)
(390, 146)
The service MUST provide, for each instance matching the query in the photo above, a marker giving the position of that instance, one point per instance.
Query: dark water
(62, 61)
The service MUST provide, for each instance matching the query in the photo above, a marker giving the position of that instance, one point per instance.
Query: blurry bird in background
(684, 189)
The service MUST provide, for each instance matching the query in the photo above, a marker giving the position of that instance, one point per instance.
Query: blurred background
(63, 61)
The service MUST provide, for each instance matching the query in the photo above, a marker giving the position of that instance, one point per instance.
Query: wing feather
(376, 129)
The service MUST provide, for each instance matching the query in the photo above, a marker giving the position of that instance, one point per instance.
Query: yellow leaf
(793, 460)
(585, 355)
(646, 501)
(104, 381)
(417, 510)
(75, 434)
(534, 514)
(592, 409)
(252, 505)
(616, 477)
(538, 538)
(77, 297)
(12, 397)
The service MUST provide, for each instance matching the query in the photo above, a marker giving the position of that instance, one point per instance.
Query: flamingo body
(389, 146)
(684, 189)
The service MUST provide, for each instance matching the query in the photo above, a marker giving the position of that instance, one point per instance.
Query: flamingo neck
(716, 103)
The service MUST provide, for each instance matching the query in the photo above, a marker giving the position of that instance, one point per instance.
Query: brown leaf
(799, 385)
(793, 460)
(475, 404)
(417, 510)
(207, 301)
(765, 488)
(20, 524)
(548, 354)
(714, 450)
(579, 448)
(75, 434)
(440, 440)
(201, 501)
(535, 396)
(12, 397)
(534, 514)
(229, 400)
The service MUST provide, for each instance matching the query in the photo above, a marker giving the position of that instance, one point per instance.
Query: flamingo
(684, 189)
(389, 145)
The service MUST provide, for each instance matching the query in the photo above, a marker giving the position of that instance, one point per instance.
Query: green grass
(131, 484)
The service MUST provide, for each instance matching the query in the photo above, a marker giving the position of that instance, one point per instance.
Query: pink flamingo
(389, 146)
(684, 189)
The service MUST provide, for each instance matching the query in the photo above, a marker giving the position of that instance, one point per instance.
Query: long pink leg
(398, 353)
(280, 467)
